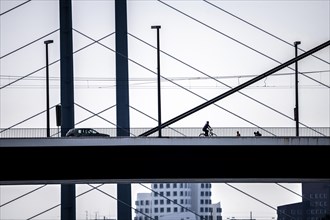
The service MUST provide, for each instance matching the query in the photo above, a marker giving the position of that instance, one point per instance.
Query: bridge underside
(146, 159)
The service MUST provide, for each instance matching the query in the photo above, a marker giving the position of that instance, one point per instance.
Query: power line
(225, 85)
(23, 77)
(249, 23)
(15, 7)
(233, 39)
(144, 67)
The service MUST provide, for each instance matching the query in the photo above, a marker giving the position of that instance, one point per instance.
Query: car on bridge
(85, 132)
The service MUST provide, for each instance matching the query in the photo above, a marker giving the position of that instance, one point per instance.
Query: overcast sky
(200, 39)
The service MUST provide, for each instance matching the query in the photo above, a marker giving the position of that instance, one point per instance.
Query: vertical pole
(68, 191)
(124, 211)
(158, 81)
(296, 112)
(47, 88)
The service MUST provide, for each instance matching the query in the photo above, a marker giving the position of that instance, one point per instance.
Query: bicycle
(211, 134)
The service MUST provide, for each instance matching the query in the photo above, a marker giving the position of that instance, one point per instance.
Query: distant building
(177, 201)
(315, 204)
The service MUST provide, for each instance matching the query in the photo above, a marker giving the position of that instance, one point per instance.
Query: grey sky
(213, 42)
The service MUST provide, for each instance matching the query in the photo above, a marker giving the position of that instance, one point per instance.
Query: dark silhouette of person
(238, 134)
(257, 133)
(206, 128)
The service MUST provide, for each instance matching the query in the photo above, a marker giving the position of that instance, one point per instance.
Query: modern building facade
(315, 204)
(177, 201)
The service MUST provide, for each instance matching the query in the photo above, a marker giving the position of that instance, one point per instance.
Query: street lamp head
(48, 41)
(297, 43)
(155, 27)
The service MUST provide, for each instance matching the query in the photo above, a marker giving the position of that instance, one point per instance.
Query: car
(85, 132)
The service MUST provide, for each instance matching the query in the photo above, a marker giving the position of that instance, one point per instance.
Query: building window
(181, 193)
(175, 193)
(167, 185)
(201, 209)
(161, 186)
(136, 202)
(146, 210)
(202, 193)
(155, 186)
(202, 185)
(161, 210)
(175, 209)
(156, 202)
(168, 193)
(141, 202)
(168, 201)
(175, 201)
(168, 209)
(156, 210)
(147, 202)
(174, 185)
(202, 201)
(161, 201)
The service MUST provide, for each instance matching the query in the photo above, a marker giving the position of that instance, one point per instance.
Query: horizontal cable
(15, 7)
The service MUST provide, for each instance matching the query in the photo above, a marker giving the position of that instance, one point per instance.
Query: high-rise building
(315, 204)
(177, 201)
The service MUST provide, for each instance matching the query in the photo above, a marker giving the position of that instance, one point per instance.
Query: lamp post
(47, 86)
(296, 110)
(158, 80)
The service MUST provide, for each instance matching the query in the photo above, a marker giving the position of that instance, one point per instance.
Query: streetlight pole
(47, 86)
(158, 80)
(296, 110)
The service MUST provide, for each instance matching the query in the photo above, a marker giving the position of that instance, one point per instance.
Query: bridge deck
(146, 159)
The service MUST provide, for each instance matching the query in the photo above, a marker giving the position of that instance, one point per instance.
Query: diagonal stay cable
(205, 74)
(175, 203)
(25, 120)
(20, 48)
(51, 208)
(245, 193)
(260, 29)
(301, 196)
(15, 7)
(124, 203)
(146, 68)
(23, 195)
(23, 77)
(155, 119)
(237, 41)
(94, 114)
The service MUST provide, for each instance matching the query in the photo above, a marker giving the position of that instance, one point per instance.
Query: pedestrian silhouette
(257, 133)
(238, 134)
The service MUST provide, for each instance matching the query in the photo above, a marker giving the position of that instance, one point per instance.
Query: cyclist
(206, 128)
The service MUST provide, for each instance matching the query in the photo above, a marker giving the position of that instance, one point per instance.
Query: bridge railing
(177, 132)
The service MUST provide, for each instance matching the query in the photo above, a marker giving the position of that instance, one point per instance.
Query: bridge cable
(15, 7)
(23, 195)
(20, 48)
(224, 83)
(301, 196)
(155, 119)
(237, 41)
(17, 80)
(168, 199)
(51, 208)
(249, 23)
(258, 200)
(122, 202)
(172, 81)
(25, 120)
